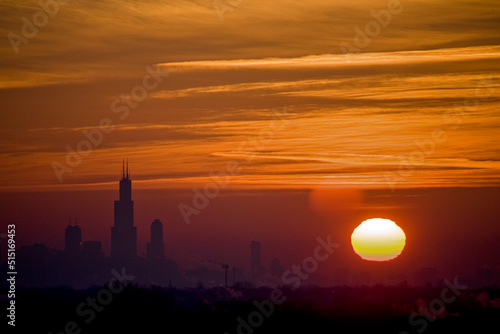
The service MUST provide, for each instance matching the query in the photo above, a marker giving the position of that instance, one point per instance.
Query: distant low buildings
(425, 277)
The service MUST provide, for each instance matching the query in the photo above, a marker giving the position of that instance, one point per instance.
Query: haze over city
(238, 122)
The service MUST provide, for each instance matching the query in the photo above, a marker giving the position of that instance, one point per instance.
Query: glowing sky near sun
(367, 119)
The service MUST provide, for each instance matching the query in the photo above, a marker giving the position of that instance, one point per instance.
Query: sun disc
(378, 239)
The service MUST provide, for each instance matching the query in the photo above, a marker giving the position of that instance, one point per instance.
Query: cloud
(335, 60)
(353, 116)
(115, 38)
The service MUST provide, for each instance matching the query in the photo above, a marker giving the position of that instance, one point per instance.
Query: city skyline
(354, 111)
(254, 270)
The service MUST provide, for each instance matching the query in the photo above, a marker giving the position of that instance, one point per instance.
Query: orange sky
(352, 119)
(181, 90)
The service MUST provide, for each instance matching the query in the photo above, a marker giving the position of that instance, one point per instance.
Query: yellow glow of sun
(378, 239)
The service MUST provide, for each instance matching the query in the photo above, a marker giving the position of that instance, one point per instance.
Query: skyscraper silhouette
(255, 258)
(155, 248)
(124, 233)
(72, 240)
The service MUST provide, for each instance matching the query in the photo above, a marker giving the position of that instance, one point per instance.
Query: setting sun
(378, 239)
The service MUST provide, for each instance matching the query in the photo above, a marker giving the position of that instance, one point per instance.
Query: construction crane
(224, 266)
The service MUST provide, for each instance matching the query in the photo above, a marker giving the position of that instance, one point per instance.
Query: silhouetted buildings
(92, 250)
(72, 241)
(276, 268)
(42, 264)
(84, 264)
(425, 277)
(255, 261)
(124, 233)
(238, 275)
(155, 248)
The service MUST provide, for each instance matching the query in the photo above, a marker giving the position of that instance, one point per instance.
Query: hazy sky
(380, 95)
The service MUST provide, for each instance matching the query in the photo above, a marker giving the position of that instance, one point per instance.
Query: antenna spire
(123, 169)
(127, 168)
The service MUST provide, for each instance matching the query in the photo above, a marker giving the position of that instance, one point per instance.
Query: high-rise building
(72, 240)
(124, 233)
(276, 268)
(92, 250)
(155, 248)
(255, 263)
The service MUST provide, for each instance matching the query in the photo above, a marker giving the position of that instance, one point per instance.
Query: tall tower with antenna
(124, 233)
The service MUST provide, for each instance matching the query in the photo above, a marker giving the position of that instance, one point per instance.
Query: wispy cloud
(351, 60)
(351, 118)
